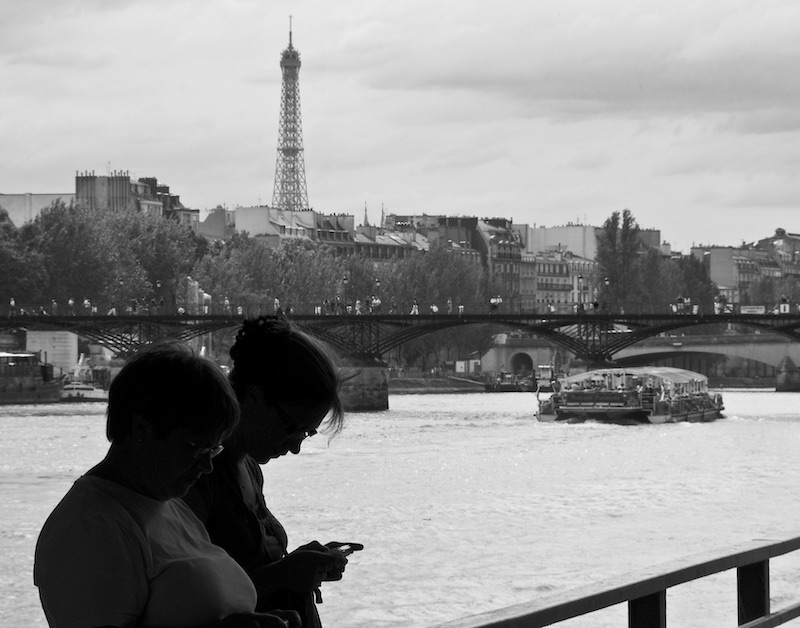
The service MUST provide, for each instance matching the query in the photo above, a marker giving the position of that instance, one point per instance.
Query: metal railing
(99, 307)
(645, 592)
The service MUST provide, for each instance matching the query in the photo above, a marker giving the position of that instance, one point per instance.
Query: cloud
(767, 191)
(543, 111)
(594, 160)
(605, 59)
(765, 121)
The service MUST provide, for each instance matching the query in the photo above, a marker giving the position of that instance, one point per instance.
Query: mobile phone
(348, 548)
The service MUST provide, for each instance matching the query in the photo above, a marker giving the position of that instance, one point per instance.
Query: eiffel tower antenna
(290, 192)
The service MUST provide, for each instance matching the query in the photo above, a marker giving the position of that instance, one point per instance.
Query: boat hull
(25, 379)
(82, 394)
(45, 392)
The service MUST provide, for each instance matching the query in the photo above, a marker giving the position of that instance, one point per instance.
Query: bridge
(596, 338)
(766, 349)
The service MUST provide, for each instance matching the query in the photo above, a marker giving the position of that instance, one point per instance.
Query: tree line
(635, 277)
(128, 257)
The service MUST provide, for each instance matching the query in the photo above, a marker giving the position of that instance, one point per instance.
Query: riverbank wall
(721, 383)
(366, 387)
(433, 385)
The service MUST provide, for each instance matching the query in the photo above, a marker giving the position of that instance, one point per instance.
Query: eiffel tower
(290, 191)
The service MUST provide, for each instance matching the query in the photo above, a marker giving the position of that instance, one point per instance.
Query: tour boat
(655, 394)
(546, 378)
(82, 391)
(24, 378)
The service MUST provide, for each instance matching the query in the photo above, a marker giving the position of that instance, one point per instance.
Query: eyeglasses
(202, 452)
(290, 425)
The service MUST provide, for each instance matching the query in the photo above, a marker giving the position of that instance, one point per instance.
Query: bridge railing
(326, 308)
(645, 592)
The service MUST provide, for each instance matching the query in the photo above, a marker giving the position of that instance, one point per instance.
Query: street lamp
(345, 280)
(160, 297)
(119, 301)
(580, 293)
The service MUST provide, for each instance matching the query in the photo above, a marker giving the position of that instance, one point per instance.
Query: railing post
(752, 584)
(649, 611)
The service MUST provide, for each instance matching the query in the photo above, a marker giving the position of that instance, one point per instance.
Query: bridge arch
(521, 362)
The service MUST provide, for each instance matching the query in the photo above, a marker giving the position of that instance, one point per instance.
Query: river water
(465, 503)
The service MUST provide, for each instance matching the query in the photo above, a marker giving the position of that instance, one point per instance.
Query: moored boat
(80, 384)
(511, 383)
(24, 378)
(82, 391)
(657, 394)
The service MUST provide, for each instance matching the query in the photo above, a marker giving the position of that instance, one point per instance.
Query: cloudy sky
(685, 112)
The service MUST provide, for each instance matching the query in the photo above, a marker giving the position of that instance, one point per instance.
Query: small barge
(633, 395)
(24, 378)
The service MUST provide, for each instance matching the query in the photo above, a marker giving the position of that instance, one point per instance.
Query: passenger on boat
(287, 385)
(121, 548)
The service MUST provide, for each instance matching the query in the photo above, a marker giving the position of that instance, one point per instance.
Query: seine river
(465, 503)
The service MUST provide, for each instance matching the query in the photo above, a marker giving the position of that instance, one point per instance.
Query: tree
(618, 245)
(696, 283)
(111, 258)
(165, 251)
(21, 274)
(73, 252)
(436, 275)
(305, 274)
(241, 269)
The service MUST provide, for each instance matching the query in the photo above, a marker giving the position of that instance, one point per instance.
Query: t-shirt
(109, 556)
(248, 531)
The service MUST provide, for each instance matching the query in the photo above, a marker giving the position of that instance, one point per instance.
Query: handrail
(645, 592)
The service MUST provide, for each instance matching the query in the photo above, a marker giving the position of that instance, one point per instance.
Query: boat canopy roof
(644, 373)
(4, 354)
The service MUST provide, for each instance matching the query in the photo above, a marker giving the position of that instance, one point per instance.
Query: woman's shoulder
(93, 502)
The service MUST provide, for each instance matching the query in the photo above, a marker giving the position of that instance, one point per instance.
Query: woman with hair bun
(288, 388)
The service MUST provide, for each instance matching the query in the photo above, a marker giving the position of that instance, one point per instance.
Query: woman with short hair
(121, 549)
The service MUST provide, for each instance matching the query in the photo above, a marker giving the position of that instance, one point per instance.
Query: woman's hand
(311, 564)
(303, 570)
